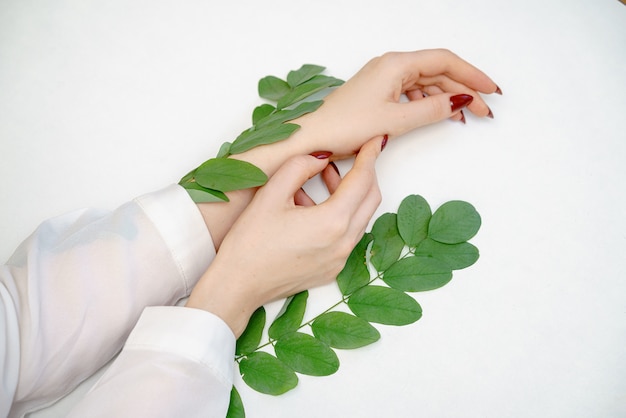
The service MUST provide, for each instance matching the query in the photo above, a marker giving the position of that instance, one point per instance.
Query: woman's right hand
(283, 243)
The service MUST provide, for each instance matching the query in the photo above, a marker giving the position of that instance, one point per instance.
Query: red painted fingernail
(334, 166)
(498, 91)
(459, 101)
(384, 143)
(462, 120)
(321, 155)
(490, 114)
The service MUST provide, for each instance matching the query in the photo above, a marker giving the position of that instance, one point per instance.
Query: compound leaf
(413, 216)
(251, 336)
(306, 354)
(387, 244)
(289, 114)
(266, 374)
(454, 222)
(417, 274)
(384, 306)
(290, 317)
(342, 330)
(261, 112)
(226, 174)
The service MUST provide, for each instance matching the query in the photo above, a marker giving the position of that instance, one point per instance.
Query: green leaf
(266, 374)
(273, 88)
(305, 73)
(417, 274)
(290, 317)
(413, 216)
(454, 222)
(387, 244)
(384, 306)
(455, 256)
(306, 89)
(261, 112)
(306, 354)
(201, 194)
(226, 174)
(265, 135)
(235, 408)
(251, 336)
(355, 273)
(224, 150)
(342, 330)
(289, 114)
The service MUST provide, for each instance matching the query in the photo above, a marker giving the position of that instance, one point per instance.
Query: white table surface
(103, 101)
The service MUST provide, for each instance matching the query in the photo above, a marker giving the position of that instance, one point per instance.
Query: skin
(275, 241)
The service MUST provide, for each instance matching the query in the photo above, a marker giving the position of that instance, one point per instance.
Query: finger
(435, 62)
(331, 177)
(441, 84)
(302, 199)
(291, 176)
(357, 183)
(360, 219)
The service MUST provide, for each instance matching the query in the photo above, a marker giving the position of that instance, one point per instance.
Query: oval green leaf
(417, 274)
(251, 336)
(235, 407)
(387, 244)
(261, 112)
(413, 217)
(306, 89)
(201, 194)
(286, 115)
(384, 306)
(344, 331)
(265, 135)
(455, 256)
(306, 354)
(226, 174)
(355, 273)
(454, 222)
(290, 317)
(304, 73)
(273, 88)
(266, 374)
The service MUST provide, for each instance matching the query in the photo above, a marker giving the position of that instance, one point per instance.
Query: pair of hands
(279, 242)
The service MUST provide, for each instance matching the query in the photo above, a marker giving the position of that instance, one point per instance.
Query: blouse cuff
(183, 229)
(194, 334)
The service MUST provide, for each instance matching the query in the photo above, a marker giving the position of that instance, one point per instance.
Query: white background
(101, 101)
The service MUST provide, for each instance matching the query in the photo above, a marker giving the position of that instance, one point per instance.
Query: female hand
(370, 104)
(283, 243)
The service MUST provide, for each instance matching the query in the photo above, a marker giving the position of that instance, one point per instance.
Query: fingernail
(384, 143)
(332, 164)
(321, 155)
(459, 101)
(498, 91)
(462, 120)
(490, 114)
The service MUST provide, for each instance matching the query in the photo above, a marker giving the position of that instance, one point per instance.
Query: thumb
(292, 175)
(429, 110)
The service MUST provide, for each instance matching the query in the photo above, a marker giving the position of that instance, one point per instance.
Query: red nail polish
(462, 120)
(498, 91)
(490, 114)
(334, 166)
(459, 101)
(321, 155)
(383, 144)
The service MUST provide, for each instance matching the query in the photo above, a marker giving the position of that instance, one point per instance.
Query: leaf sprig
(413, 250)
(211, 180)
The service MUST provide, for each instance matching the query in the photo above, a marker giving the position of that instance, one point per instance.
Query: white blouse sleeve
(74, 290)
